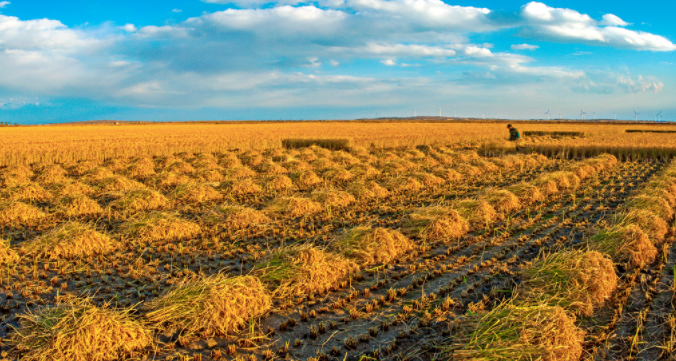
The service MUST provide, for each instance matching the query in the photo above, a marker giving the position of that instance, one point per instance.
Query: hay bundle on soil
(303, 269)
(204, 164)
(364, 171)
(157, 226)
(659, 206)
(97, 174)
(235, 217)
(31, 192)
(654, 226)
(116, 164)
(373, 245)
(546, 185)
(168, 179)
(428, 180)
(52, 174)
(18, 171)
(602, 162)
(13, 180)
(295, 165)
(195, 193)
(581, 170)
(293, 206)
(465, 156)
(502, 200)
(70, 240)
(14, 213)
(181, 167)
(485, 166)
(305, 179)
(435, 224)
(211, 175)
(77, 205)
(229, 160)
(513, 332)
(239, 173)
(79, 331)
(119, 184)
(251, 158)
(344, 158)
(625, 243)
(338, 175)
(403, 184)
(662, 193)
(270, 167)
(278, 183)
(367, 190)
(527, 193)
(564, 180)
(307, 155)
(140, 200)
(72, 188)
(332, 198)
(450, 175)
(531, 160)
(323, 164)
(467, 170)
(141, 170)
(215, 305)
(476, 212)
(240, 187)
(575, 280)
(663, 182)
(7, 255)
(83, 168)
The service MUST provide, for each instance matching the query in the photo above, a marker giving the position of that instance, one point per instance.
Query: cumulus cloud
(388, 62)
(524, 47)
(129, 28)
(4, 3)
(568, 25)
(176, 10)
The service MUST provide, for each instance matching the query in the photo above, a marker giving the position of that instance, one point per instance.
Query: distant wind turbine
(547, 114)
(582, 114)
(659, 115)
(615, 114)
(415, 113)
(636, 115)
(594, 115)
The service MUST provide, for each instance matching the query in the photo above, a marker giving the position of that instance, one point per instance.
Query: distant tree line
(8, 124)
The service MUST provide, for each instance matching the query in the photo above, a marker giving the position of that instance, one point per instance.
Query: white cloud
(334, 63)
(41, 34)
(176, 10)
(524, 47)
(612, 20)
(403, 50)
(4, 3)
(560, 24)
(388, 62)
(129, 28)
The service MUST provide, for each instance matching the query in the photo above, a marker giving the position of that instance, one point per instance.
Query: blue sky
(334, 59)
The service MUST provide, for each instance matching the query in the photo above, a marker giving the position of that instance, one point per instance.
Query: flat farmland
(412, 243)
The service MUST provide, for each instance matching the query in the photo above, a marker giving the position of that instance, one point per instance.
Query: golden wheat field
(337, 241)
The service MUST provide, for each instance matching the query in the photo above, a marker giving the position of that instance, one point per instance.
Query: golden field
(65, 143)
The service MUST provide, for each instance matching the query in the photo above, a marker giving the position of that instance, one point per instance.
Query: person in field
(514, 134)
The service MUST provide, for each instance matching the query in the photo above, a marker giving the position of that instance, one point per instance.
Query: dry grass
(467, 170)
(527, 193)
(214, 305)
(70, 240)
(80, 332)
(119, 184)
(403, 184)
(236, 217)
(303, 269)
(158, 226)
(517, 332)
(659, 206)
(14, 213)
(435, 224)
(654, 226)
(239, 172)
(477, 212)
(97, 174)
(140, 200)
(52, 174)
(240, 187)
(72, 188)
(450, 175)
(332, 198)
(367, 190)
(195, 193)
(8, 256)
(502, 200)
(373, 245)
(30, 192)
(305, 179)
(364, 171)
(168, 179)
(278, 183)
(293, 207)
(77, 205)
(625, 243)
(575, 280)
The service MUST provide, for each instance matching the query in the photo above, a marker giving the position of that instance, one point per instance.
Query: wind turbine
(615, 114)
(594, 115)
(439, 112)
(582, 114)
(415, 113)
(547, 114)
(636, 115)
(659, 115)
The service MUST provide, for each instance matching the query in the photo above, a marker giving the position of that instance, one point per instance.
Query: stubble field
(441, 251)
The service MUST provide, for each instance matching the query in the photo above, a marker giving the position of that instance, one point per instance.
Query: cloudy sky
(76, 60)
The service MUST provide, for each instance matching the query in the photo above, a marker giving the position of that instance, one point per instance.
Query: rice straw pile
(332, 198)
(373, 245)
(367, 190)
(303, 269)
(157, 226)
(240, 187)
(502, 200)
(70, 240)
(625, 243)
(476, 212)
(80, 332)
(215, 305)
(77, 205)
(140, 200)
(236, 217)
(435, 224)
(7, 255)
(13, 213)
(293, 206)
(196, 193)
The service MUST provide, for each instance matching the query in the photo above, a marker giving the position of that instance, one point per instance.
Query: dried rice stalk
(71, 240)
(435, 224)
(373, 245)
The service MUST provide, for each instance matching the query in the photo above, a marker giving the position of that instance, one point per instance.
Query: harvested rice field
(435, 252)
